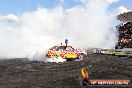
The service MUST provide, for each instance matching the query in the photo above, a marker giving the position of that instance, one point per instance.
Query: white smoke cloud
(10, 18)
(121, 10)
(36, 31)
(106, 1)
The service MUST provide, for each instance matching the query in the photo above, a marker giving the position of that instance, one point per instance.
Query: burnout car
(66, 52)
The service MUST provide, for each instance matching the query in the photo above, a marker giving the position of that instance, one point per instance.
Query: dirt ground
(22, 73)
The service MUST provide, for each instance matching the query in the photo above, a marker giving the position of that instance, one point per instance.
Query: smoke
(121, 10)
(87, 25)
(102, 1)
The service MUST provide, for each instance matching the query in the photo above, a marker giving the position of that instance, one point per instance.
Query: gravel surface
(22, 73)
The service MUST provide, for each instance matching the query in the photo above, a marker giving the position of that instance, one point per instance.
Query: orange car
(66, 52)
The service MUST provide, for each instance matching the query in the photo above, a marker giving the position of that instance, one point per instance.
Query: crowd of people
(125, 35)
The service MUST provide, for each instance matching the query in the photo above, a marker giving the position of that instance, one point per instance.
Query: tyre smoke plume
(85, 25)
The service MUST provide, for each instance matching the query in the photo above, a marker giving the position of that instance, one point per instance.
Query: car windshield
(61, 48)
(69, 48)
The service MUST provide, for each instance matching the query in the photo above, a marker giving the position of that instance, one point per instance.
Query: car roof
(61, 46)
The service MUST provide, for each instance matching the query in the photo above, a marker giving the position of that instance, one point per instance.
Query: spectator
(125, 35)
